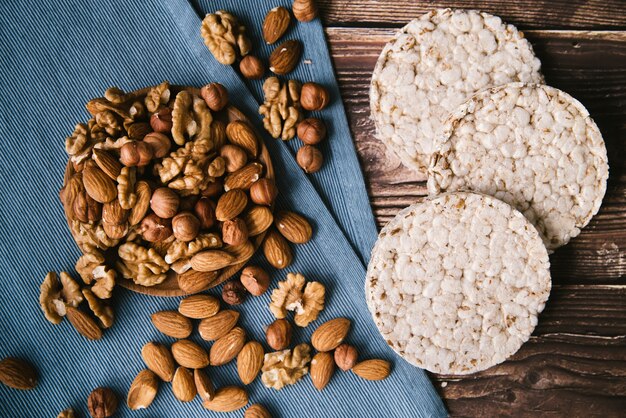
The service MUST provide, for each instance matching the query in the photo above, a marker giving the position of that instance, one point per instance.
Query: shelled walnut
(225, 37)
(286, 367)
(281, 110)
(292, 295)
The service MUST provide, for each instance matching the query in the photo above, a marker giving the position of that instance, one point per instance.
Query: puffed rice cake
(456, 281)
(534, 147)
(434, 64)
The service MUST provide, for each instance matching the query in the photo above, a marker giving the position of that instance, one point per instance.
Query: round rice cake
(434, 64)
(456, 281)
(534, 147)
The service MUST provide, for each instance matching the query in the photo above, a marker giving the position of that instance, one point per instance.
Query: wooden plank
(556, 14)
(589, 65)
(574, 364)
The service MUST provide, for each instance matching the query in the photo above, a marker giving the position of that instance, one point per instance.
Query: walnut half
(292, 295)
(286, 367)
(54, 296)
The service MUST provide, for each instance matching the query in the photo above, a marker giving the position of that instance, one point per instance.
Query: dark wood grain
(589, 65)
(555, 14)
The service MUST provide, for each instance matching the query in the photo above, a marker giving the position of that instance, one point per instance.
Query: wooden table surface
(575, 362)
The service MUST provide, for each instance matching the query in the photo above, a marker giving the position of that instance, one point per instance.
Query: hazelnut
(159, 143)
(309, 158)
(304, 10)
(161, 121)
(102, 403)
(233, 292)
(278, 334)
(234, 156)
(311, 131)
(215, 95)
(251, 67)
(155, 229)
(234, 231)
(185, 226)
(263, 191)
(135, 153)
(205, 212)
(164, 202)
(314, 96)
(255, 280)
(213, 189)
(188, 203)
(345, 357)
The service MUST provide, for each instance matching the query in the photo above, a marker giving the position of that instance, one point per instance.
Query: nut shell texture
(455, 282)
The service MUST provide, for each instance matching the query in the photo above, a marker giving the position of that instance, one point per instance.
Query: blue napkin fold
(54, 59)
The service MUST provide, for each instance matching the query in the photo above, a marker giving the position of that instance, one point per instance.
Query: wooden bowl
(169, 287)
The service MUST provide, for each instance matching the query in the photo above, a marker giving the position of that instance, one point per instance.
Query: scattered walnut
(144, 266)
(49, 298)
(191, 119)
(225, 37)
(66, 413)
(88, 262)
(285, 367)
(71, 290)
(157, 96)
(105, 281)
(291, 295)
(126, 187)
(102, 311)
(281, 109)
(180, 250)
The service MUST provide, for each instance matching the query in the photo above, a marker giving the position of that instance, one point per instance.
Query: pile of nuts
(284, 101)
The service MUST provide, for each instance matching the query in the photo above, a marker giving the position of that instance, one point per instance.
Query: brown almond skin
(142, 390)
(17, 373)
(107, 163)
(255, 280)
(217, 326)
(330, 334)
(322, 369)
(286, 57)
(227, 399)
(199, 306)
(227, 347)
(258, 219)
(231, 204)
(172, 324)
(275, 24)
(190, 355)
(98, 185)
(84, 323)
(250, 361)
(372, 369)
(244, 178)
(183, 385)
(241, 134)
(159, 360)
(276, 250)
(193, 281)
(346, 357)
(293, 226)
(278, 334)
(257, 411)
(204, 385)
(211, 260)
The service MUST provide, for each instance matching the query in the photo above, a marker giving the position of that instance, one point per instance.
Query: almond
(144, 194)
(98, 185)
(275, 24)
(227, 399)
(322, 369)
(199, 306)
(231, 204)
(217, 326)
(84, 323)
(257, 411)
(285, 57)
(159, 359)
(183, 385)
(189, 354)
(113, 213)
(204, 386)
(241, 134)
(227, 347)
(250, 361)
(276, 250)
(330, 334)
(18, 373)
(211, 260)
(241, 252)
(193, 281)
(107, 163)
(293, 226)
(172, 324)
(143, 390)
(258, 219)
(244, 177)
(372, 369)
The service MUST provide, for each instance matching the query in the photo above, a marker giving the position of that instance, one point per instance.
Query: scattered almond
(330, 334)
(211, 260)
(204, 386)
(18, 373)
(159, 359)
(257, 411)
(276, 24)
(226, 348)
(372, 369)
(143, 390)
(199, 306)
(218, 326)
(194, 281)
(258, 219)
(285, 57)
(83, 323)
(276, 250)
(293, 226)
(227, 399)
(189, 354)
(172, 324)
(183, 385)
(322, 369)
(250, 361)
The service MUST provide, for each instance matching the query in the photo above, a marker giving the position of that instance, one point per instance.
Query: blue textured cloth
(54, 59)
